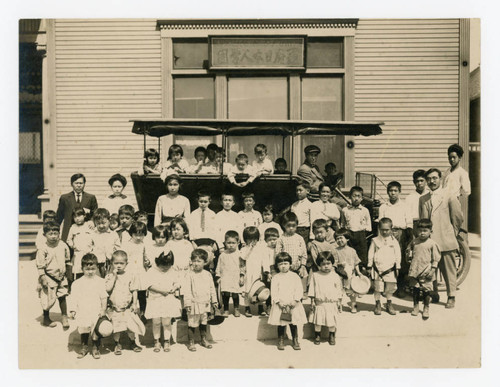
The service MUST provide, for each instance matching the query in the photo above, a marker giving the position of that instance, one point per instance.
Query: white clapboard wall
(406, 75)
(107, 72)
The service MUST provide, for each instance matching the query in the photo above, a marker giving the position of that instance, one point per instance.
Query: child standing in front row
(54, 266)
(325, 291)
(286, 296)
(163, 306)
(347, 259)
(424, 258)
(199, 297)
(88, 303)
(230, 272)
(356, 219)
(255, 265)
(121, 286)
(384, 262)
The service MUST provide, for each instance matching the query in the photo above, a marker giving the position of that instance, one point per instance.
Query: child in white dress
(199, 298)
(163, 305)
(230, 273)
(255, 265)
(180, 246)
(325, 291)
(268, 221)
(88, 302)
(80, 240)
(286, 296)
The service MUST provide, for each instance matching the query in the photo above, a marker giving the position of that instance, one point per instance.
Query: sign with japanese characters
(257, 52)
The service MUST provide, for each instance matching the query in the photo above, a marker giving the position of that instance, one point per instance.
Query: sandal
(157, 347)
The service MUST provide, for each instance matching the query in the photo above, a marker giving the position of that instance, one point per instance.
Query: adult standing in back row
(443, 209)
(70, 201)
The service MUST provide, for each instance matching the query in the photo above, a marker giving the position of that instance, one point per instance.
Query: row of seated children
(193, 288)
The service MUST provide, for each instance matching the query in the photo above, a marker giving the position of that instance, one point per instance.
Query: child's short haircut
(282, 257)
(457, 149)
(138, 228)
(330, 165)
(355, 188)
(181, 222)
(323, 185)
(175, 149)
(260, 149)
(126, 209)
(251, 234)
(139, 214)
(199, 253)
(159, 231)
(151, 152)
(343, 232)
(396, 184)
(203, 194)
(165, 259)
(212, 147)
(432, 170)
(231, 234)
(424, 223)
(289, 217)
(246, 195)
(319, 223)
(117, 177)
(385, 221)
(324, 256)
(51, 226)
(119, 253)
(268, 209)
(418, 173)
(226, 194)
(279, 160)
(174, 176)
(271, 232)
(78, 212)
(100, 214)
(89, 259)
(49, 214)
(77, 176)
(242, 156)
(200, 149)
(304, 184)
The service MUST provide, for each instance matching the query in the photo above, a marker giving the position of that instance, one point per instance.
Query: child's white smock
(285, 289)
(86, 297)
(326, 288)
(159, 305)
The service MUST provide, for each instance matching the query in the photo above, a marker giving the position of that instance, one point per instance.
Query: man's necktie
(202, 220)
(78, 198)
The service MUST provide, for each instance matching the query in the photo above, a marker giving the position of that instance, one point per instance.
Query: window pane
(194, 98)
(322, 98)
(257, 98)
(323, 52)
(332, 150)
(190, 53)
(29, 148)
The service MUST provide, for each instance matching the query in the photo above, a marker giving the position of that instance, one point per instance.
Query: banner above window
(256, 52)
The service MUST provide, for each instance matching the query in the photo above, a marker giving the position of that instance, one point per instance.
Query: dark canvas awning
(210, 127)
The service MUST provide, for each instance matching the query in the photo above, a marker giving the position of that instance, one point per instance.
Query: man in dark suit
(72, 200)
(445, 213)
(309, 171)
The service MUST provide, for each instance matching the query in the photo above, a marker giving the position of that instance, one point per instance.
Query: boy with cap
(309, 170)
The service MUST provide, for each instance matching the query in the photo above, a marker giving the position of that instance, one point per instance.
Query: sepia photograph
(249, 193)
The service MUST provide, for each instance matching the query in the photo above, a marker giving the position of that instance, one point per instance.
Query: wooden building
(98, 74)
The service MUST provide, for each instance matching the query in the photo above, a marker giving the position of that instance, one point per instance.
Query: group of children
(116, 269)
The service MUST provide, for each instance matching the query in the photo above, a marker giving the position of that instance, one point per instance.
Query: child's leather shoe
(166, 346)
(64, 321)
(331, 338)
(204, 343)
(191, 346)
(450, 304)
(118, 349)
(415, 311)
(425, 313)
(378, 308)
(281, 343)
(390, 308)
(295, 344)
(157, 347)
(95, 352)
(83, 352)
(47, 322)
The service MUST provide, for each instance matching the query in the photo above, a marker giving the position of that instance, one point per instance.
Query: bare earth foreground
(449, 339)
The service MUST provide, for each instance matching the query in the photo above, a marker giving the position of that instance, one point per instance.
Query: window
(190, 53)
(325, 52)
(322, 98)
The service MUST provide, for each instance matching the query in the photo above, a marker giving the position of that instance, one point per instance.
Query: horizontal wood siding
(107, 72)
(406, 75)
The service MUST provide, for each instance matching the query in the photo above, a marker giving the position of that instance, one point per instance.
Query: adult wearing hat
(309, 171)
(75, 199)
(443, 209)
